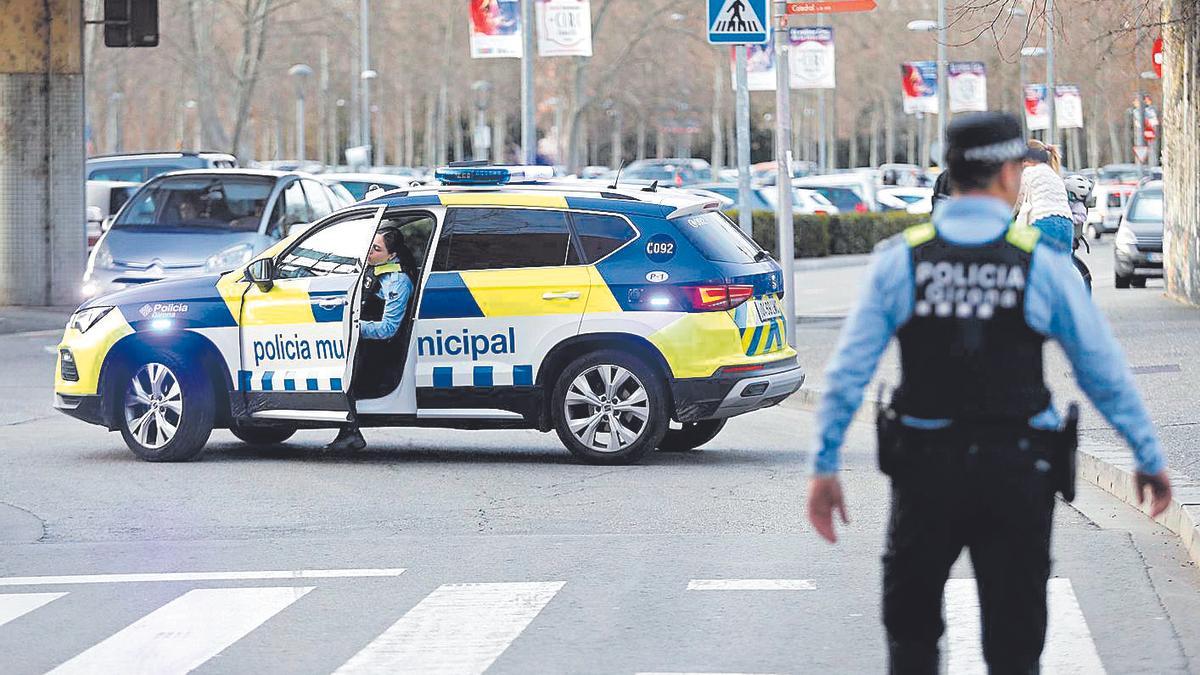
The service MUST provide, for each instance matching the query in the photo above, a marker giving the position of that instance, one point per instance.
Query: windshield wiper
(762, 255)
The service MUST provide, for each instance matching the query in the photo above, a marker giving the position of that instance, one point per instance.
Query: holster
(1064, 465)
(889, 437)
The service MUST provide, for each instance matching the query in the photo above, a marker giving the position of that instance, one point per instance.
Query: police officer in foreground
(974, 448)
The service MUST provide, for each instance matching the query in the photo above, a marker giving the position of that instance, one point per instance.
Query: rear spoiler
(695, 209)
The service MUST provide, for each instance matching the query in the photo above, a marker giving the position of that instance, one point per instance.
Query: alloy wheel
(606, 408)
(153, 405)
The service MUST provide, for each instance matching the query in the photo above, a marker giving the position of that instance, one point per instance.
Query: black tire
(1138, 282)
(262, 435)
(1122, 282)
(649, 432)
(193, 421)
(691, 436)
(1095, 231)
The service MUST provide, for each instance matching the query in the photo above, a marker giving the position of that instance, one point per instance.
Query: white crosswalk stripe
(185, 632)
(197, 576)
(1069, 645)
(751, 585)
(14, 605)
(459, 629)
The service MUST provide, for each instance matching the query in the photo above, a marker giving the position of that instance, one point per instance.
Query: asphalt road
(458, 552)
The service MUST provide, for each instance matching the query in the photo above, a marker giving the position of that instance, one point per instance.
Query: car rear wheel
(259, 435)
(1093, 231)
(690, 435)
(1121, 281)
(610, 407)
(1138, 282)
(167, 409)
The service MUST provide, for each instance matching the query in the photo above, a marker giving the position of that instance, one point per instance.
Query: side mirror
(260, 272)
(1091, 202)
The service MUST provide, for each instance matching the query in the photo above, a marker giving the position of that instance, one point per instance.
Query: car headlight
(86, 318)
(1125, 237)
(229, 258)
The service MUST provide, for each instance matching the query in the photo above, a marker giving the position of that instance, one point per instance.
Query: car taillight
(860, 207)
(717, 298)
(820, 212)
(678, 180)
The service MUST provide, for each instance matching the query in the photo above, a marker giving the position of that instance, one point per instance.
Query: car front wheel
(167, 409)
(610, 407)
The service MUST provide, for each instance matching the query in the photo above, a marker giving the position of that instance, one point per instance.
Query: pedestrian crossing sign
(737, 22)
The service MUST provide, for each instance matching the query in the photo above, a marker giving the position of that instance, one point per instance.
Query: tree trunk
(660, 143)
(429, 141)
(718, 137)
(641, 138)
(1181, 151)
(852, 160)
(873, 154)
(456, 128)
(499, 135)
(442, 134)
(409, 132)
(889, 132)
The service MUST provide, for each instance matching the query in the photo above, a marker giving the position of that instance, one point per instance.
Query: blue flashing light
(491, 175)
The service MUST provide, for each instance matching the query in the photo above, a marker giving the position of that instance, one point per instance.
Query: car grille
(69, 372)
(1150, 242)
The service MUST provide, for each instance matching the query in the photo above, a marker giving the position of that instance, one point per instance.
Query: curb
(1109, 468)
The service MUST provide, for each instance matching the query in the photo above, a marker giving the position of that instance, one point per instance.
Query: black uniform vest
(967, 352)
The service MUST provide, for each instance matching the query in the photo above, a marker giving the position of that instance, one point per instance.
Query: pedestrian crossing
(458, 628)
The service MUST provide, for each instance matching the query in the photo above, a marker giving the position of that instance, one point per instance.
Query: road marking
(15, 605)
(459, 628)
(698, 673)
(197, 576)
(751, 585)
(181, 635)
(1069, 644)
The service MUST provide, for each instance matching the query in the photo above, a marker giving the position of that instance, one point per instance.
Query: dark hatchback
(1138, 250)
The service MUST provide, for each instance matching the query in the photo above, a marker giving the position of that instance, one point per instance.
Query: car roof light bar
(491, 175)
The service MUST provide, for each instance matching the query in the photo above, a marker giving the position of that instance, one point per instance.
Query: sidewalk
(23, 319)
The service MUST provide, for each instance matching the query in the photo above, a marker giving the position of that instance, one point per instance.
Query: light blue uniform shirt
(1057, 305)
(395, 288)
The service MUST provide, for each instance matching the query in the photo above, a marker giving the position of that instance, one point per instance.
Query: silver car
(203, 221)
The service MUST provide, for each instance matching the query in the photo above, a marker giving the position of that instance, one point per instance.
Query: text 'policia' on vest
(970, 301)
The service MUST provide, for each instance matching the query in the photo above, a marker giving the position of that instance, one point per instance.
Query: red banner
(830, 6)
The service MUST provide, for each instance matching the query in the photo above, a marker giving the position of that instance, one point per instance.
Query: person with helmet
(1079, 191)
(388, 285)
(971, 440)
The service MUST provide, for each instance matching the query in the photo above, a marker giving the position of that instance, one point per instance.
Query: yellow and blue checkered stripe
(450, 377)
(282, 380)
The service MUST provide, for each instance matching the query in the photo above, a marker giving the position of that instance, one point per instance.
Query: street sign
(1157, 57)
(830, 6)
(1141, 152)
(737, 22)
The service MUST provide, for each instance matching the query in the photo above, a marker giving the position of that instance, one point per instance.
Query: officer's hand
(1160, 491)
(824, 497)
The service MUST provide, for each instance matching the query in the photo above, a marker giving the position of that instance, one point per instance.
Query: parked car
(141, 167)
(677, 172)
(359, 183)
(104, 199)
(1105, 208)
(764, 198)
(911, 199)
(1119, 173)
(850, 192)
(341, 196)
(1138, 248)
(902, 175)
(191, 222)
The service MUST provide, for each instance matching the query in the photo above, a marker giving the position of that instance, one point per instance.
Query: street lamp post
(364, 48)
(943, 87)
(1051, 88)
(365, 123)
(300, 73)
(337, 156)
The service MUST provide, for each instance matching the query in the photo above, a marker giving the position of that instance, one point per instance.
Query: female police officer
(388, 281)
(972, 300)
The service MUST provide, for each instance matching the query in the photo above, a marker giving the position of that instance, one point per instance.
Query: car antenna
(617, 178)
(653, 187)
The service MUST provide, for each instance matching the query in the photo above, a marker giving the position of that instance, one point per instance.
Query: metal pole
(364, 100)
(528, 128)
(943, 86)
(745, 217)
(1024, 122)
(300, 126)
(783, 164)
(1051, 88)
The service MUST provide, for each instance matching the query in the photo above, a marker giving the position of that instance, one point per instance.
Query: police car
(623, 318)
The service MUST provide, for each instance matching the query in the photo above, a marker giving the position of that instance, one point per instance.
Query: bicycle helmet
(1079, 188)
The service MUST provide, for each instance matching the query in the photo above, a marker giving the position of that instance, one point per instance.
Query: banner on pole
(919, 82)
(564, 27)
(760, 67)
(495, 29)
(811, 58)
(968, 86)
(1068, 107)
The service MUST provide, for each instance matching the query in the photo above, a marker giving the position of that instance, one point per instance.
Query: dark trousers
(992, 494)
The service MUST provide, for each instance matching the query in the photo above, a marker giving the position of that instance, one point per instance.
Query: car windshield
(846, 199)
(1147, 206)
(231, 203)
(717, 238)
(1119, 175)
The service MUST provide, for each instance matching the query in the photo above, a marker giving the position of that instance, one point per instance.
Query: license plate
(1154, 257)
(768, 308)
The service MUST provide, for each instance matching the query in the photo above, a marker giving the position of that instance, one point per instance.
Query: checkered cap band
(995, 153)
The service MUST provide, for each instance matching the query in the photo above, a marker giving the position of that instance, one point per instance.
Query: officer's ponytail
(1046, 154)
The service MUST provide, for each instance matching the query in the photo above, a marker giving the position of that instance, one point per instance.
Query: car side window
(295, 206)
(132, 174)
(601, 234)
(318, 199)
(498, 238)
(337, 248)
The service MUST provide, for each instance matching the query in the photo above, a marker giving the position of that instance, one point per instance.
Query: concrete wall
(1181, 149)
(42, 238)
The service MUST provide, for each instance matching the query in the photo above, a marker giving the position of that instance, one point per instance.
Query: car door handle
(564, 295)
(330, 302)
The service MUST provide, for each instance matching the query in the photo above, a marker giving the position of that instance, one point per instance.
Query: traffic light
(130, 23)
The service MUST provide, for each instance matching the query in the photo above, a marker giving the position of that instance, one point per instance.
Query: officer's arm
(885, 303)
(1060, 302)
(396, 289)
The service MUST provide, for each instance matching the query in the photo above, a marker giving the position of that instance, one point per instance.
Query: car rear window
(1114, 200)
(600, 235)
(717, 238)
(1147, 206)
(131, 174)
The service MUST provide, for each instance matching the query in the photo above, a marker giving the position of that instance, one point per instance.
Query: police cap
(986, 138)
